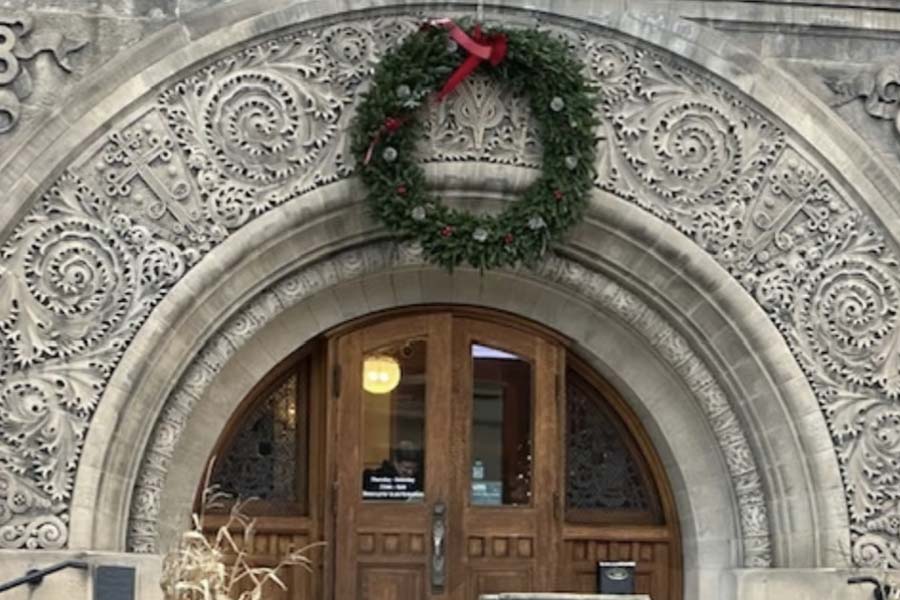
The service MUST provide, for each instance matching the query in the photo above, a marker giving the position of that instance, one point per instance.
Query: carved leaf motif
(847, 416)
(480, 121)
(873, 465)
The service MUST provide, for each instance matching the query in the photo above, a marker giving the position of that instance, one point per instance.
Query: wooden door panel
(382, 547)
(390, 582)
(383, 550)
(493, 546)
(402, 545)
(267, 550)
(498, 581)
(510, 546)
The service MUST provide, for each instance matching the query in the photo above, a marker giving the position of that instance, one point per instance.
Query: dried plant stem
(202, 569)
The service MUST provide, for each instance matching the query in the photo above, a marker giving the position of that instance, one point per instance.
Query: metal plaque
(113, 583)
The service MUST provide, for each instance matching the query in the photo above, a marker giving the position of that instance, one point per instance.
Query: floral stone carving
(878, 86)
(236, 137)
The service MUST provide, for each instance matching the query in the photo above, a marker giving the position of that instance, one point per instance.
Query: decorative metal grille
(601, 472)
(261, 461)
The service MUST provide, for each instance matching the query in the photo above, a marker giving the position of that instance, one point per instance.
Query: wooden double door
(443, 455)
(448, 486)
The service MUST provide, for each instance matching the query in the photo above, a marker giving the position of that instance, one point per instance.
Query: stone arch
(795, 289)
(354, 282)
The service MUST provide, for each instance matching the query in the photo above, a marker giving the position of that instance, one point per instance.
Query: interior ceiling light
(381, 374)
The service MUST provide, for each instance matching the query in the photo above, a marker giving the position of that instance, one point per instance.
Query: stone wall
(119, 180)
(76, 584)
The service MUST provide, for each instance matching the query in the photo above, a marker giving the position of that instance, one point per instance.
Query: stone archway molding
(102, 231)
(351, 266)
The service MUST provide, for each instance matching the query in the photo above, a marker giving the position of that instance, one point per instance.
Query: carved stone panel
(21, 42)
(267, 122)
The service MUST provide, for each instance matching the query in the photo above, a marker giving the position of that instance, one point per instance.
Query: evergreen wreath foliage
(385, 131)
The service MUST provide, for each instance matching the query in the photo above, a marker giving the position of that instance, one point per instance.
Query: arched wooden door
(447, 454)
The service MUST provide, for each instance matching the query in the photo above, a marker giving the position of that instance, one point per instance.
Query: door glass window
(501, 428)
(393, 426)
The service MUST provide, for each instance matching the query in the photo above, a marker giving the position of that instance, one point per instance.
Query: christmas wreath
(427, 66)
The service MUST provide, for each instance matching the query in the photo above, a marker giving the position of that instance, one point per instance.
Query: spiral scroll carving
(256, 125)
(696, 152)
(80, 278)
(850, 307)
(76, 275)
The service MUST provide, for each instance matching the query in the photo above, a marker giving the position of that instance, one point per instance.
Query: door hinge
(336, 381)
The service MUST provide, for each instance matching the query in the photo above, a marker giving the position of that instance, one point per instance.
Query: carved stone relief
(878, 86)
(19, 44)
(265, 124)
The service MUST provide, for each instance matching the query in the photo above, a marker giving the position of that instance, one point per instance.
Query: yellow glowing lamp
(381, 374)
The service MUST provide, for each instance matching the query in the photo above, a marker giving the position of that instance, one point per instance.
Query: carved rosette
(241, 135)
(824, 274)
(849, 309)
(261, 126)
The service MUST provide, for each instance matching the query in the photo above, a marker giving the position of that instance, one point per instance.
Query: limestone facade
(741, 243)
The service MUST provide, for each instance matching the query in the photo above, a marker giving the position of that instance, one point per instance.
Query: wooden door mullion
(438, 417)
(460, 400)
(348, 441)
(515, 538)
(545, 464)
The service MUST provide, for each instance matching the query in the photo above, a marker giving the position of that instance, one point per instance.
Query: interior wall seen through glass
(501, 428)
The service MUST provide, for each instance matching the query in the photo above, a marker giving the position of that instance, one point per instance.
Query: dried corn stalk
(199, 568)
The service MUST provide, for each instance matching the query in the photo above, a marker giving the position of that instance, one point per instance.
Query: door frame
(321, 464)
(667, 532)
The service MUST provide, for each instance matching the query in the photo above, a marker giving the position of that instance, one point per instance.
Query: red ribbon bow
(480, 47)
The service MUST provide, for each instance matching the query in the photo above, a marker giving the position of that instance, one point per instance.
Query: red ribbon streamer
(391, 124)
(481, 47)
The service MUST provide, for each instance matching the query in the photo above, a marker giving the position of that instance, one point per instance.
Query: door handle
(438, 542)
